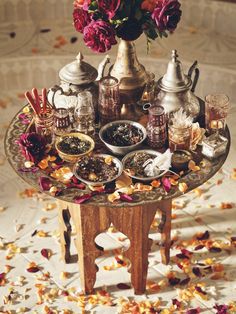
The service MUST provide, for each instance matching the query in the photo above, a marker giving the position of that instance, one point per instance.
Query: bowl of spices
(72, 146)
(140, 165)
(98, 169)
(122, 136)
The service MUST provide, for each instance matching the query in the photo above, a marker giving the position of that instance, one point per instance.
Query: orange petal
(183, 187)
(156, 183)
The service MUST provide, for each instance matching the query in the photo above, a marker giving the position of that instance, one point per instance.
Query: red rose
(81, 19)
(167, 15)
(99, 36)
(109, 7)
(32, 146)
(78, 4)
(130, 30)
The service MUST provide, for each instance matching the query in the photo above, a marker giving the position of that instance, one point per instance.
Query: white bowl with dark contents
(98, 169)
(123, 136)
(134, 164)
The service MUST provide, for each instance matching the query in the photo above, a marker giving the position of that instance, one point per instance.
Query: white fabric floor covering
(207, 34)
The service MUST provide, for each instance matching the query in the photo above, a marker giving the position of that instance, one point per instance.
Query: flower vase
(132, 76)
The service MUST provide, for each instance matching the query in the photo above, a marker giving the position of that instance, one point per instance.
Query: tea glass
(149, 90)
(216, 111)
(84, 114)
(44, 125)
(109, 100)
(62, 121)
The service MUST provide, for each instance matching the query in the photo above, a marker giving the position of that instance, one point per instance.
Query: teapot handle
(146, 106)
(55, 89)
(195, 68)
(102, 66)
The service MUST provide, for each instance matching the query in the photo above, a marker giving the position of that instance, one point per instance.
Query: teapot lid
(78, 72)
(174, 80)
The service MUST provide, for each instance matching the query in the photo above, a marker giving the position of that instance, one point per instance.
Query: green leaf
(93, 6)
(151, 33)
(138, 15)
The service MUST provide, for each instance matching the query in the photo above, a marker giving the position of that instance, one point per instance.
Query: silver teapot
(176, 89)
(77, 77)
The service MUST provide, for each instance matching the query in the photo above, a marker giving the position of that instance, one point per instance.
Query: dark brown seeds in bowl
(123, 134)
(96, 169)
(73, 145)
(134, 164)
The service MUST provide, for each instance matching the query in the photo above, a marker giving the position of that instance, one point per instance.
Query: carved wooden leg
(65, 231)
(135, 222)
(89, 223)
(165, 207)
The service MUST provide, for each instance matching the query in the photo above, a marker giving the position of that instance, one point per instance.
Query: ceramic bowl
(144, 179)
(115, 160)
(74, 158)
(122, 150)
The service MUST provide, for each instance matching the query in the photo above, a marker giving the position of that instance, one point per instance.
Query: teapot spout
(101, 67)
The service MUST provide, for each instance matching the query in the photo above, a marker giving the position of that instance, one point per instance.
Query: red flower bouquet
(100, 21)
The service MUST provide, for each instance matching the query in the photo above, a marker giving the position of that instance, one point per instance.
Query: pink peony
(81, 19)
(167, 15)
(109, 7)
(99, 36)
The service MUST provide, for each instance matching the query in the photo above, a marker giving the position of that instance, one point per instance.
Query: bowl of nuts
(72, 146)
(122, 136)
(98, 169)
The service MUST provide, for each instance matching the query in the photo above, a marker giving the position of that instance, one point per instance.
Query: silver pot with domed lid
(76, 77)
(177, 89)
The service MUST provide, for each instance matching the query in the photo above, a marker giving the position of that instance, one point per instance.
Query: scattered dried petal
(197, 272)
(183, 187)
(156, 183)
(192, 166)
(126, 197)
(33, 269)
(174, 281)
(45, 183)
(83, 198)
(123, 286)
(166, 184)
(194, 311)
(73, 39)
(113, 197)
(203, 236)
(221, 309)
(47, 253)
(215, 249)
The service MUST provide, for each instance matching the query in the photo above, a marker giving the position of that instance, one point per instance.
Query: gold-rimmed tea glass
(216, 111)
